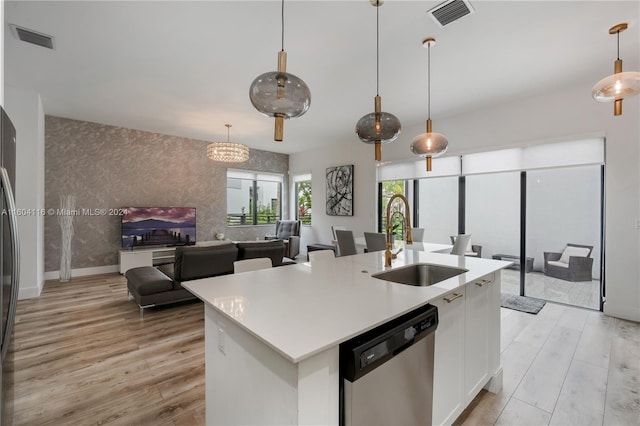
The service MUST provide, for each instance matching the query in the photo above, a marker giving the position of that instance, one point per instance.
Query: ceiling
(184, 68)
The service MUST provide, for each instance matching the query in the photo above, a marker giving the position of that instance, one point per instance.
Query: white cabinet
(145, 257)
(476, 359)
(448, 374)
(467, 347)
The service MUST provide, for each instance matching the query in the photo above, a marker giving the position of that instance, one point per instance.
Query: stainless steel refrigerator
(9, 263)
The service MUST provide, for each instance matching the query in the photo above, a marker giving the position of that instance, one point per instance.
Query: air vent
(449, 11)
(31, 36)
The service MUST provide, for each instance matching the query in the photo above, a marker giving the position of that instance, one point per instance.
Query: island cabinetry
(448, 374)
(249, 383)
(481, 301)
(467, 347)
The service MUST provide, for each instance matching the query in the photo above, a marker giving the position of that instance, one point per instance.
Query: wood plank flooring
(82, 355)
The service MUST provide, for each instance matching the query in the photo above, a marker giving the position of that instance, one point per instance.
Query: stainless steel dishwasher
(387, 373)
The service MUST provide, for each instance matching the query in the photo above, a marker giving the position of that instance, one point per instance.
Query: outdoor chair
(573, 264)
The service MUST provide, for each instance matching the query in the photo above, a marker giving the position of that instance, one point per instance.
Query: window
(387, 190)
(303, 198)
(253, 198)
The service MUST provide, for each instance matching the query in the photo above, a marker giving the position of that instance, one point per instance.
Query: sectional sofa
(153, 286)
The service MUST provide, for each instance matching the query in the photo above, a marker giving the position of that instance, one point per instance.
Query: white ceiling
(184, 68)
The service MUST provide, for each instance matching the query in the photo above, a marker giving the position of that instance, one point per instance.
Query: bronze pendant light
(378, 127)
(620, 84)
(280, 94)
(429, 144)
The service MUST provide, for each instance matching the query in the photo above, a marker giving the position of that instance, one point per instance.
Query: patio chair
(573, 264)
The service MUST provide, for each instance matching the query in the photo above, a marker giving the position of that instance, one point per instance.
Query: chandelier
(227, 152)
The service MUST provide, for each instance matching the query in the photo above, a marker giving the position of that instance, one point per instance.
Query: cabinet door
(478, 308)
(132, 259)
(448, 374)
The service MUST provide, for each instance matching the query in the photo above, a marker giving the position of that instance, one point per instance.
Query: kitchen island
(272, 336)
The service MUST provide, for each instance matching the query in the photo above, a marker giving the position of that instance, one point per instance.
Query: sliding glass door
(438, 208)
(492, 211)
(563, 234)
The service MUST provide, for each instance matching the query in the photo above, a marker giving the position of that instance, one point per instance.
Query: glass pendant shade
(227, 152)
(280, 93)
(381, 127)
(429, 145)
(617, 86)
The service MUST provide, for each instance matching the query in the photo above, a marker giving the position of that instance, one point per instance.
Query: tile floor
(564, 366)
(585, 294)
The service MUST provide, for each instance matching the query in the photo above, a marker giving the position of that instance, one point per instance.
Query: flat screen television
(158, 226)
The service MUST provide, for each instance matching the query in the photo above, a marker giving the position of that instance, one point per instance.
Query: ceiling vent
(449, 11)
(31, 36)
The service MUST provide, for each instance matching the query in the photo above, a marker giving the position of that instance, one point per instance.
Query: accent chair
(289, 232)
(573, 264)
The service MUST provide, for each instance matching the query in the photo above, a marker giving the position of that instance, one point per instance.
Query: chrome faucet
(388, 255)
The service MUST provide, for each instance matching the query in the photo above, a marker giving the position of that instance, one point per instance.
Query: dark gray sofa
(153, 286)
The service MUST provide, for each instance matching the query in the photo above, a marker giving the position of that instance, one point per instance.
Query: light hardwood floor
(82, 355)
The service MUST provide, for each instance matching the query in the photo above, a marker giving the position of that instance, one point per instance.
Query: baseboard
(28, 293)
(627, 312)
(83, 272)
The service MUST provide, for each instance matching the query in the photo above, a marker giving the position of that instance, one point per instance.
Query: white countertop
(301, 310)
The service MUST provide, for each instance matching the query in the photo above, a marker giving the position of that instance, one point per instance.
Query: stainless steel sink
(419, 274)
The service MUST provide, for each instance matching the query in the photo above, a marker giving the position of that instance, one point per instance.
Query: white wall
(25, 110)
(567, 114)
(364, 183)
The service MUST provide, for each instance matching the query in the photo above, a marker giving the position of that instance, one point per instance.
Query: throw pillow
(573, 251)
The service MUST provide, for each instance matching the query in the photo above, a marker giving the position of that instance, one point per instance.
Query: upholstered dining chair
(417, 234)
(375, 241)
(321, 255)
(251, 264)
(471, 250)
(289, 232)
(460, 244)
(346, 243)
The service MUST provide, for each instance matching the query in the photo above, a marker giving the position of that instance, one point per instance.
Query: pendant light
(378, 127)
(620, 84)
(227, 152)
(429, 144)
(280, 94)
